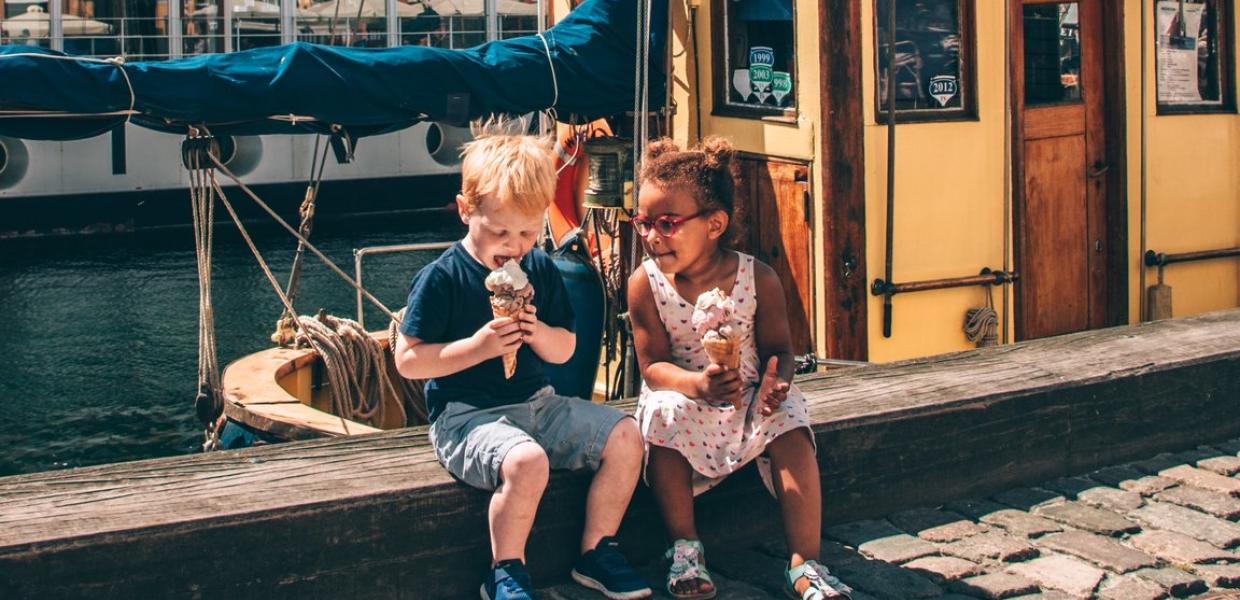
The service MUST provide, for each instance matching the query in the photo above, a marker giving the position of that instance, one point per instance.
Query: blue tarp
(365, 91)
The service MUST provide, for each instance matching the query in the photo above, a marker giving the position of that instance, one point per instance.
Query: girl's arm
(654, 350)
(771, 334)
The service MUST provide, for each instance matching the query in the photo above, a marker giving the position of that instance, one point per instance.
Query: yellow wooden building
(1060, 141)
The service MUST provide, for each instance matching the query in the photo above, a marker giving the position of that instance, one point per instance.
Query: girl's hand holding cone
(720, 383)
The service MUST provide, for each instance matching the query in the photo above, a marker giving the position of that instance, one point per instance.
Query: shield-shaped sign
(943, 88)
(781, 86)
(761, 63)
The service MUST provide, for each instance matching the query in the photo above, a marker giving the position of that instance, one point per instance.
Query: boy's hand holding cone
(510, 293)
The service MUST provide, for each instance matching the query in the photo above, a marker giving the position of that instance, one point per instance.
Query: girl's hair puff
(707, 173)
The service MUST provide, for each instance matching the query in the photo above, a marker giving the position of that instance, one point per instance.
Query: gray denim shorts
(472, 442)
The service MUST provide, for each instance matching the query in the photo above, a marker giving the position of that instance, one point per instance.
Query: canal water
(98, 342)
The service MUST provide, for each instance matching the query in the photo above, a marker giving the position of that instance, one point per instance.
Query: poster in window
(1179, 25)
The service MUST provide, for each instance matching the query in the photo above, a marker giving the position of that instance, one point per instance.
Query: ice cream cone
(723, 351)
(513, 311)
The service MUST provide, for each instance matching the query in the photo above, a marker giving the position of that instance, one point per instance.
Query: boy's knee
(625, 439)
(526, 465)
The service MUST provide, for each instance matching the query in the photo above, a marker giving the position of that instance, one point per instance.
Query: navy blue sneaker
(604, 569)
(509, 580)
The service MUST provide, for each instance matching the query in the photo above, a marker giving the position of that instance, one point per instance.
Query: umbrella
(246, 9)
(34, 23)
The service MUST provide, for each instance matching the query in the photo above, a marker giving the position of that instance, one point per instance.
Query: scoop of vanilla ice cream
(509, 274)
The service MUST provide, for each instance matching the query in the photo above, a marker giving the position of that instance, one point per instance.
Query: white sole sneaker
(602, 589)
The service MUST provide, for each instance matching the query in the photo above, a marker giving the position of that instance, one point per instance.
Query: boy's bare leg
(524, 475)
(671, 480)
(613, 484)
(795, 471)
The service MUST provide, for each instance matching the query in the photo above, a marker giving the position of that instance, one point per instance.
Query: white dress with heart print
(716, 439)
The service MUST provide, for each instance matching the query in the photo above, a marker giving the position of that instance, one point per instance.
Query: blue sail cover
(365, 91)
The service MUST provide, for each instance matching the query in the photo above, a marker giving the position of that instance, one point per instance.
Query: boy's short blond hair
(512, 168)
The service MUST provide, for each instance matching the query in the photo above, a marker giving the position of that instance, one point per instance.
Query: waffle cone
(510, 359)
(723, 352)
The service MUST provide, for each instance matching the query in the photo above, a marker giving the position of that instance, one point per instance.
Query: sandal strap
(687, 563)
(822, 584)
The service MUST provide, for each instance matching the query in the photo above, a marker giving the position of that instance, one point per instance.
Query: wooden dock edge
(376, 517)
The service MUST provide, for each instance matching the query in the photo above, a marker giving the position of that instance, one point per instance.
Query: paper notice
(1179, 25)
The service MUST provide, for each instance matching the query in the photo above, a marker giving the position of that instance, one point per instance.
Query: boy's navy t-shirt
(449, 301)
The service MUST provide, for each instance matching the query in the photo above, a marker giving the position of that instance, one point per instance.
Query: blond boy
(505, 434)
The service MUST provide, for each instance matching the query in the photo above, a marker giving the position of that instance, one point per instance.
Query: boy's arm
(552, 344)
(416, 359)
(654, 349)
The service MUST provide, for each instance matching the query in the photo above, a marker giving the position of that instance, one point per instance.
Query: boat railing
(361, 253)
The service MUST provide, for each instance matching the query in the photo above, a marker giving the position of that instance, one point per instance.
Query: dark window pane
(760, 53)
(1052, 53)
(928, 50)
(1190, 69)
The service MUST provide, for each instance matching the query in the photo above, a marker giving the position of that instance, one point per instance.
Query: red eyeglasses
(664, 225)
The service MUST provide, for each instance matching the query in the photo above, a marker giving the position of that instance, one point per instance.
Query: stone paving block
(1062, 573)
(1130, 587)
(886, 581)
(1021, 524)
(1101, 551)
(936, 525)
(1206, 501)
(1028, 498)
(1113, 499)
(1155, 465)
(1130, 479)
(1178, 548)
(975, 509)
(1198, 454)
(995, 586)
(1230, 447)
(830, 554)
(993, 545)
(1047, 595)
(1220, 576)
(1148, 485)
(1176, 582)
(859, 532)
(944, 568)
(898, 549)
(1070, 487)
(1203, 479)
(750, 566)
(1086, 517)
(1227, 466)
(1187, 521)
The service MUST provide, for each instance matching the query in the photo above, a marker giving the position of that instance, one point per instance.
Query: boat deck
(1144, 530)
(375, 516)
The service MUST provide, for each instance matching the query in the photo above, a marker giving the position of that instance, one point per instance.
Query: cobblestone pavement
(1157, 528)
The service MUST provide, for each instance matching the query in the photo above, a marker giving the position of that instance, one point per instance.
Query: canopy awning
(585, 70)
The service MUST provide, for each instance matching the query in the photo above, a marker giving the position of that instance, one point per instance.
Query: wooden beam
(376, 516)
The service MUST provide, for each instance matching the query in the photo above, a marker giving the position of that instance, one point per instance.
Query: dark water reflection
(98, 335)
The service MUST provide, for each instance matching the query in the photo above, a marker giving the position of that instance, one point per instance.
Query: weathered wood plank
(375, 516)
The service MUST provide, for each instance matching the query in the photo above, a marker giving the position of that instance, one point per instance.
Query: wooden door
(773, 225)
(1061, 148)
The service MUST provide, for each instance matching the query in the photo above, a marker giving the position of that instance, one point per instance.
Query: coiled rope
(981, 324)
(355, 366)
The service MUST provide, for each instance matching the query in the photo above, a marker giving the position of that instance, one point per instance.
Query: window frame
(1227, 70)
(968, 75)
(720, 73)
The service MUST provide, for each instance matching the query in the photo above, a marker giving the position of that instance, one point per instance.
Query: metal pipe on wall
(891, 159)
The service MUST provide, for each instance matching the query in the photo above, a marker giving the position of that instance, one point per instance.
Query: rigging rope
(289, 228)
(284, 334)
(209, 400)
